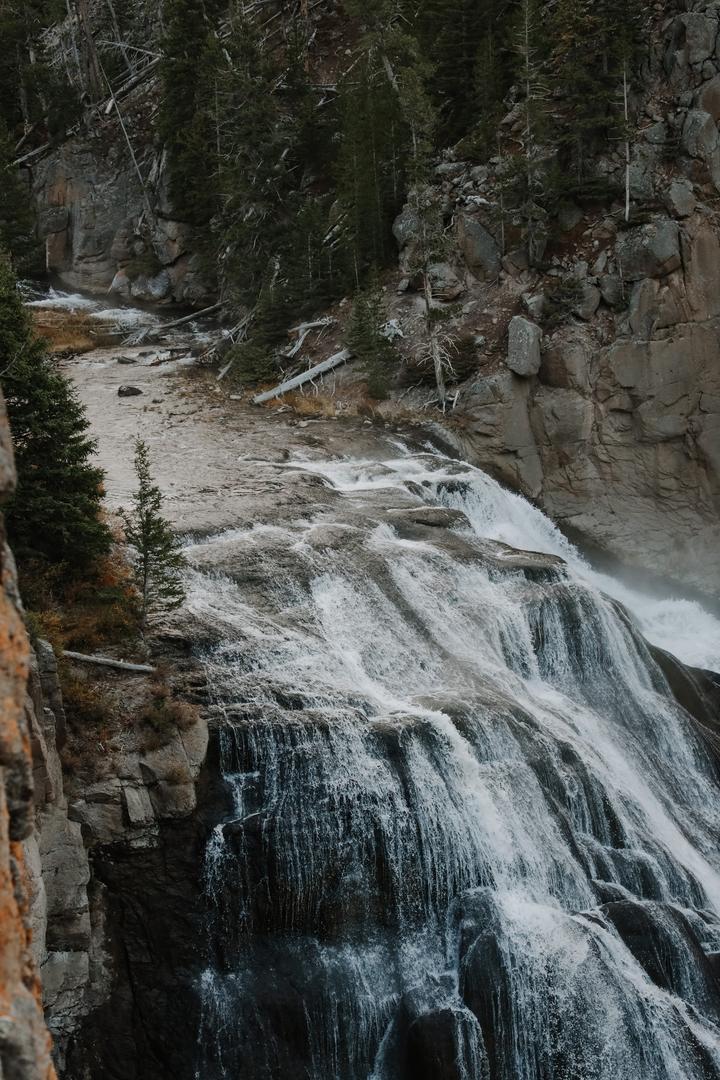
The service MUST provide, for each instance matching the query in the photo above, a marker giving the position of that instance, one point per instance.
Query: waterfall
(469, 834)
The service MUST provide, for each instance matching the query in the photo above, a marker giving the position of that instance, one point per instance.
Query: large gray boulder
(708, 97)
(692, 40)
(478, 246)
(524, 346)
(651, 250)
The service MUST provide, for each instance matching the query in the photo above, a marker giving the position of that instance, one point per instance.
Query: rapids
(468, 831)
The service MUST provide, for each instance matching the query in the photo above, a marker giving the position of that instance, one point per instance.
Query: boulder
(588, 303)
(478, 246)
(535, 304)
(692, 40)
(406, 226)
(524, 339)
(708, 97)
(444, 282)
(651, 250)
(679, 198)
(699, 137)
(611, 291)
(152, 289)
(129, 391)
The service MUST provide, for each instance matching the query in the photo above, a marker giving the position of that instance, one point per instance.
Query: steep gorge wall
(103, 230)
(113, 879)
(24, 1039)
(609, 415)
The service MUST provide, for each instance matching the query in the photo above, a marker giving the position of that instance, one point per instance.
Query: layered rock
(597, 392)
(104, 230)
(24, 1039)
(103, 862)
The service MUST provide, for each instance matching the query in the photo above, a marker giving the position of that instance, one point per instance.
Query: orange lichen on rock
(24, 1040)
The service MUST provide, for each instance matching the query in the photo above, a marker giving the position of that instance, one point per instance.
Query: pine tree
(366, 340)
(158, 561)
(31, 90)
(451, 33)
(527, 166)
(595, 48)
(54, 515)
(187, 120)
(17, 221)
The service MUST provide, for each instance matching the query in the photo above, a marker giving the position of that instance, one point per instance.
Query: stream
(468, 831)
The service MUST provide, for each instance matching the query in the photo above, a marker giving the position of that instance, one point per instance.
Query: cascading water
(469, 832)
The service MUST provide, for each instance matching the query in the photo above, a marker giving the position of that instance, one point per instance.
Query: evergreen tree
(451, 33)
(55, 513)
(31, 90)
(527, 168)
(157, 562)
(366, 340)
(595, 48)
(187, 120)
(17, 221)
(380, 135)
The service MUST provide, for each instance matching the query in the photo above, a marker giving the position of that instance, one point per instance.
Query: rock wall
(612, 424)
(104, 231)
(105, 865)
(597, 383)
(98, 890)
(24, 1039)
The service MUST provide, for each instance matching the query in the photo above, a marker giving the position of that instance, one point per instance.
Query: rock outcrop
(103, 863)
(597, 392)
(24, 1039)
(105, 231)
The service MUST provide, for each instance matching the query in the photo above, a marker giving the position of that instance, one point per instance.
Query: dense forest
(292, 158)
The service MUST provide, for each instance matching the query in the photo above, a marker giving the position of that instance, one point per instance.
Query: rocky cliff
(96, 882)
(110, 865)
(596, 389)
(24, 1040)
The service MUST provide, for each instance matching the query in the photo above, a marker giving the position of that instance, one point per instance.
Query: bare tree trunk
(72, 23)
(118, 35)
(92, 65)
(22, 93)
(627, 145)
(434, 344)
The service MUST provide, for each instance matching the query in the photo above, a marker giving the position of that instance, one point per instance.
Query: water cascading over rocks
(469, 833)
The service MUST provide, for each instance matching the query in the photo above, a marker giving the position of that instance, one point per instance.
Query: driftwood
(139, 336)
(105, 661)
(305, 376)
(302, 332)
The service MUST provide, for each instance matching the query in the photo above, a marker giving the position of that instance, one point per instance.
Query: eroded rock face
(24, 1039)
(621, 441)
(112, 882)
(98, 235)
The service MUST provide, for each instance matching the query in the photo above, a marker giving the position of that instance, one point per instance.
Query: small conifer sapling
(158, 561)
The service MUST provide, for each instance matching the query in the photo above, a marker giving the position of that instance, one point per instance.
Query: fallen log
(105, 661)
(305, 376)
(138, 336)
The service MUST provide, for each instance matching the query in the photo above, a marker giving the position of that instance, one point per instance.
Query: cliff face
(597, 383)
(24, 1039)
(110, 869)
(105, 232)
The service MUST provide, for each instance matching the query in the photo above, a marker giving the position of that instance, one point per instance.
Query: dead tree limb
(105, 661)
(306, 376)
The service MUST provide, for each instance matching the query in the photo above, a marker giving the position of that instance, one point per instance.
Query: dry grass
(70, 332)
